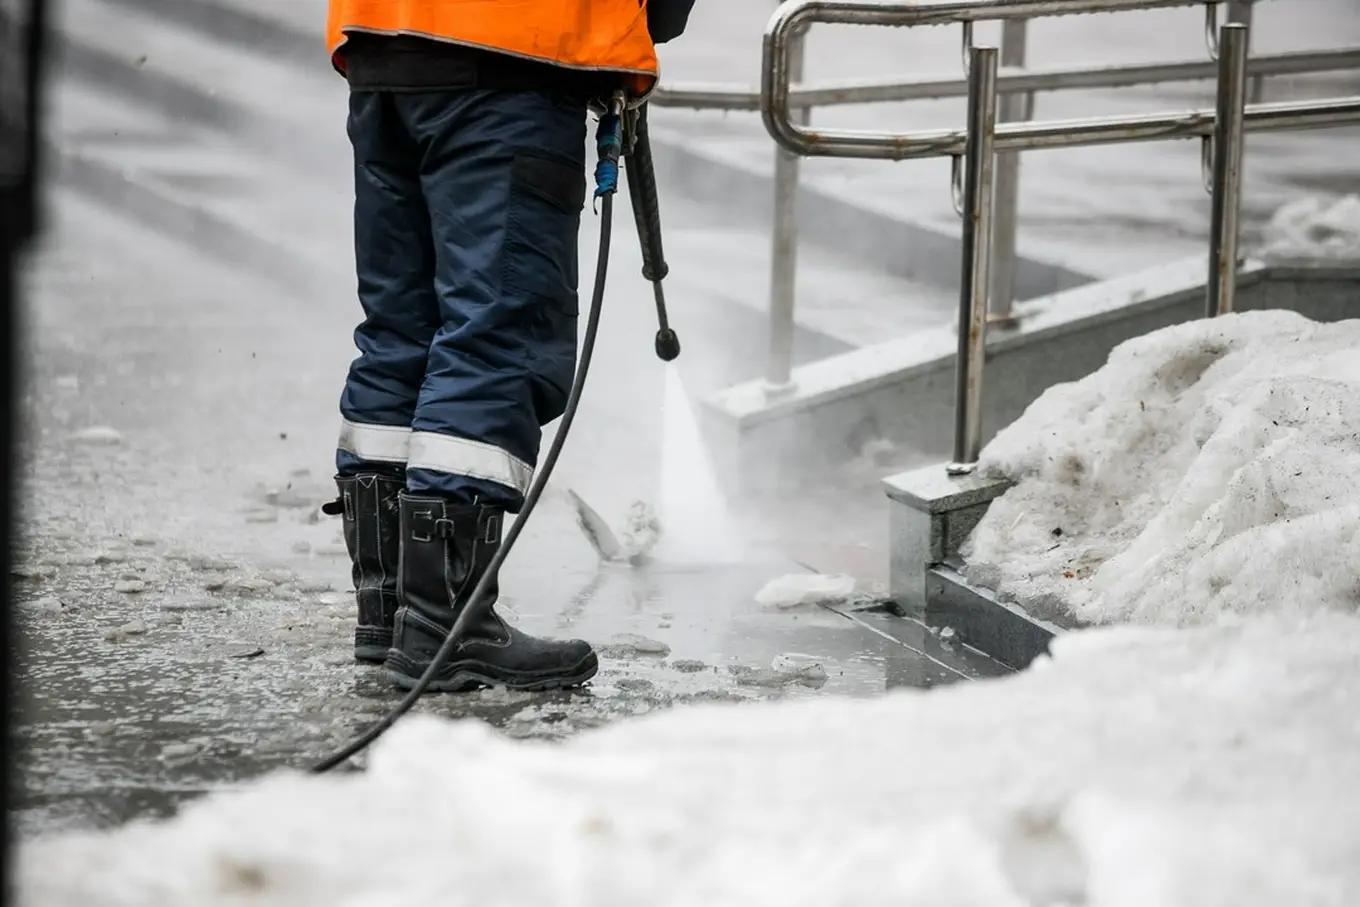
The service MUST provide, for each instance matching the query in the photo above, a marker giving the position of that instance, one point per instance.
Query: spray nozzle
(667, 345)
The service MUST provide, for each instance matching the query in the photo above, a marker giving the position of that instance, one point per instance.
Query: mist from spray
(696, 524)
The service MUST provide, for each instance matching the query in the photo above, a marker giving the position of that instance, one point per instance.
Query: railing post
(1014, 107)
(784, 248)
(1226, 182)
(1240, 11)
(978, 191)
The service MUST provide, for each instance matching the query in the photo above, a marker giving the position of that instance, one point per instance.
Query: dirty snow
(1315, 226)
(1208, 468)
(1138, 766)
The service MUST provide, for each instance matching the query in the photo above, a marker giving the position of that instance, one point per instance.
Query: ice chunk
(262, 515)
(596, 530)
(50, 605)
(179, 751)
(98, 435)
(811, 675)
(248, 587)
(128, 630)
(632, 544)
(796, 589)
(631, 645)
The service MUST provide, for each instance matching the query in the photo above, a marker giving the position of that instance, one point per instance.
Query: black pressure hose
(610, 144)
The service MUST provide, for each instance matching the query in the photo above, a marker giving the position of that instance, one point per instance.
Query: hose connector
(609, 147)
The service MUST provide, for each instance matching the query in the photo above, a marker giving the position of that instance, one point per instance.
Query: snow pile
(1212, 467)
(1138, 767)
(1315, 227)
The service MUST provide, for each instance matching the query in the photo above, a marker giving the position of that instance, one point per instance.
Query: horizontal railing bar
(719, 96)
(946, 12)
(1027, 136)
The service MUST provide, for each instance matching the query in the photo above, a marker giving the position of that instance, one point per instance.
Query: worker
(468, 124)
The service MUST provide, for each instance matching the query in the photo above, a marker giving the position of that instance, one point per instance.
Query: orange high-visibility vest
(607, 35)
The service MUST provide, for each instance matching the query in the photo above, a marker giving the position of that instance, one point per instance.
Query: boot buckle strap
(348, 497)
(425, 527)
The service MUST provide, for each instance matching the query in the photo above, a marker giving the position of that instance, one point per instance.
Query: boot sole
(469, 676)
(371, 644)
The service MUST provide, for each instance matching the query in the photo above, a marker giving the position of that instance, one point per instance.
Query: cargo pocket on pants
(539, 271)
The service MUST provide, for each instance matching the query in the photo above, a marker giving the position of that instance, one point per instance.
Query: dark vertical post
(22, 28)
(1226, 181)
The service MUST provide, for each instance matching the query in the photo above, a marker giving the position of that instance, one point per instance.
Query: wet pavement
(184, 607)
(155, 670)
(220, 671)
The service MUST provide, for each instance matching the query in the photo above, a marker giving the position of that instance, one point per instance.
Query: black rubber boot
(445, 549)
(370, 505)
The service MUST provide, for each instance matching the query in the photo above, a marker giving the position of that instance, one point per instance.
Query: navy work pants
(466, 213)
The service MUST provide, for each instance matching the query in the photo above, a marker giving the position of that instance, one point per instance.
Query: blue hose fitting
(609, 146)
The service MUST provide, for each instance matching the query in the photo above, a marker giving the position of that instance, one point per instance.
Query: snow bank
(1140, 766)
(1315, 227)
(1210, 467)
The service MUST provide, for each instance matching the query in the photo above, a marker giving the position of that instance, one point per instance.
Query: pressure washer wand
(641, 176)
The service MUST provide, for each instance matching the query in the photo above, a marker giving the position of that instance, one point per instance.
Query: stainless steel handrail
(1223, 127)
(1075, 133)
(1010, 80)
(796, 16)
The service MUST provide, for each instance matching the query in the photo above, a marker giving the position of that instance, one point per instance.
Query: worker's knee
(509, 288)
(384, 381)
(539, 273)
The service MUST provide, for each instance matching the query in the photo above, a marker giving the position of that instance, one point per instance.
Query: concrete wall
(903, 391)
